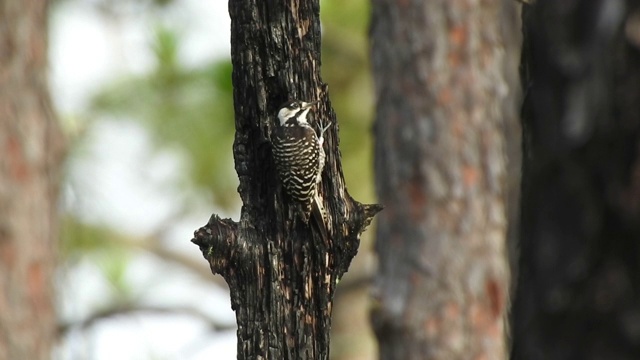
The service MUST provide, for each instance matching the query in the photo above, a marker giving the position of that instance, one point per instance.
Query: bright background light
(120, 183)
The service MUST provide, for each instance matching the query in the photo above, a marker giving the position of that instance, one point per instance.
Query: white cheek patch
(302, 118)
(284, 114)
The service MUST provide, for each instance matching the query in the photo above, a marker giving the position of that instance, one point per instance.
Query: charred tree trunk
(30, 148)
(578, 294)
(281, 274)
(445, 92)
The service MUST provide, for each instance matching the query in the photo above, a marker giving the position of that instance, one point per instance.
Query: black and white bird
(300, 159)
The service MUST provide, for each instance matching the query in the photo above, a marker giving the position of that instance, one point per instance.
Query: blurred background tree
(186, 113)
(446, 91)
(578, 294)
(32, 151)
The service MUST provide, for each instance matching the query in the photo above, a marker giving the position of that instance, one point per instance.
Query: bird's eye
(294, 105)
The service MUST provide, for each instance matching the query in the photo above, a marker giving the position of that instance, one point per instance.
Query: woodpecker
(300, 158)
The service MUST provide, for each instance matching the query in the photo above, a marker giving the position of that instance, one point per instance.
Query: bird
(300, 158)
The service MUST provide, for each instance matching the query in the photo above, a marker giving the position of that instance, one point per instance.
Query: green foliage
(79, 238)
(345, 67)
(104, 247)
(187, 110)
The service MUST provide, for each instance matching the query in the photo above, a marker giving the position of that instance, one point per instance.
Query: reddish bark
(30, 143)
(445, 86)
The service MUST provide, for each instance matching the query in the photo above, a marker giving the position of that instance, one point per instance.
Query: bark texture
(30, 144)
(281, 274)
(578, 294)
(445, 94)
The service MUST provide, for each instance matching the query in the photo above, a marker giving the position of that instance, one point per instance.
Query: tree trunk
(445, 92)
(30, 144)
(281, 274)
(578, 294)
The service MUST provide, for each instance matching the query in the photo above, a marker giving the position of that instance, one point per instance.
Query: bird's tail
(320, 218)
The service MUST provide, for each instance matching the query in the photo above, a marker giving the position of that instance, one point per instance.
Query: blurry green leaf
(187, 110)
(79, 238)
(101, 246)
(345, 67)
(114, 269)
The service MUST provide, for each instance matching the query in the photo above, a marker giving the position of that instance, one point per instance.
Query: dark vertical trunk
(445, 91)
(30, 148)
(578, 294)
(281, 274)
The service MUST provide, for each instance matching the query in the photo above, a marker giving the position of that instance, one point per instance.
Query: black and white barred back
(298, 154)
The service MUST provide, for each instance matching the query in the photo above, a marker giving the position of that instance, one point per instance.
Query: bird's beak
(308, 105)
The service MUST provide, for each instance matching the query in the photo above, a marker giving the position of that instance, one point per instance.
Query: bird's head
(294, 112)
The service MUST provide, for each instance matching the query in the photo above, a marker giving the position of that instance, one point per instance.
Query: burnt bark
(30, 148)
(281, 274)
(446, 93)
(578, 294)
